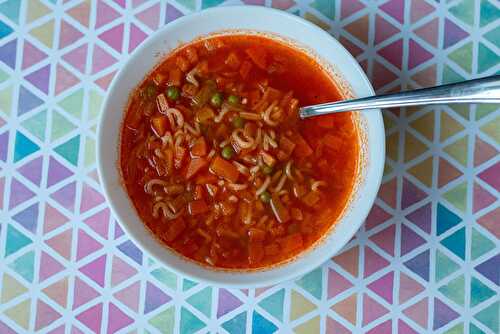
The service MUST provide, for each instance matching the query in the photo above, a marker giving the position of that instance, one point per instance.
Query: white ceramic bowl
(259, 19)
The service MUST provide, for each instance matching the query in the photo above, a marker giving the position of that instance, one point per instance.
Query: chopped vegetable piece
(198, 192)
(311, 199)
(238, 122)
(286, 145)
(199, 148)
(280, 211)
(265, 197)
(204, 114)
(175, 228)
(174, 77)
(296, 214)
(255, 234)
(245, 69)
(194, 166)
(267, 170)
(192, 55)
(227, 152)
(182, 63)
(197, 207)
(233, 100)
(291, 242)
(268, 159)
(255, 252)
(332, 141)
(206, 178)
(212, 189)
(150, 91)
(258, 56)
(208, 89)
(233, 61)
(302, 148)
(173, 93)
(160, 125)
(224, 169)
(216, 99)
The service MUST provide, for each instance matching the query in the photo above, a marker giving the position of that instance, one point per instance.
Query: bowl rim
(152, 250)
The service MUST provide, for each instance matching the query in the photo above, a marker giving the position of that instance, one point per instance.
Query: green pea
(265, 197)
(173, 93)
(233, 100)
(216, 99)
(267, 170)
(227, 152)
(238, 122)
(150, 91)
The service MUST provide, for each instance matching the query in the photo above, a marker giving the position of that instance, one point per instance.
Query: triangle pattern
(261, 324)
(408, 288)
(81, 13)
(336, 284)
(235, 324)
(190, 323)
(418, 312)
(53, 219)
(61, 243)
(31, 55)
(227, 302)
(348, 260)
(92, 318)
(202, 301)
(383, 287)
(11, 288)
(312, 283)
(385, 239)
(15, 240)
(32, 170)
(299, 305)
(36, 124)
(58, 292)
(155, 298)
(117, 319)
(372, 310)
(64, 79)
(20, 313)
(77, 57)
(120, 271)
(68, 34)
(45, 315)
(24, 266)
(410, 240)
(28, 218)
(86, 245)
(346, 308)
(164, 321)
(48, 267)
(129, 296)
(95, 270)
(82, 293)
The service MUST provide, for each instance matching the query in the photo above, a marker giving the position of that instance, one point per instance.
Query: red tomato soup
(217, 162)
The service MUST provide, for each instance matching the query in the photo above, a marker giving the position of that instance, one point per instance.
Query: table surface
(426, 260)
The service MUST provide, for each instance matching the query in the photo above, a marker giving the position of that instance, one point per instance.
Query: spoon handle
(484, 90)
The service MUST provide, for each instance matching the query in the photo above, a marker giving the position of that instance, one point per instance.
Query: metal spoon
(485, 90)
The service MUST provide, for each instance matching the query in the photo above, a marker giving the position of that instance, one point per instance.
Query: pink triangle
(350, 46)
(388, 191)
(101, 60)
(45, 315)
(117, 319)
(394, 8)
(99, 222)
(58, 291)
(417, 55)
(376, 217)
(90, 198)
(150, 16)
(92, 318)
(53, 219)
(121, 3)
(227, 302)
(408, 288)
(58, 330)
(384, 286)
(93, 173)
(104, 81)
(260, 291)
(76, 330)
(381, 75)
(61, 243)
(420, 9)
(383, 328)
(418, 312)
(371, 310)
(137, 3)
(428, 32)
(385, 239)
(393, 53)
(81, 13)
(86, 245)
(113, 37)
(105, 14)
(334, 327)
(490, 222)
(31, 55)
(373, 262)
(77, 57)
(48, 266)
(120, 271)
(383, 29)
(64, 79)
(19, 193)
(350, 7)
(403, 328)
(68, 35)
(57, 172)
(66, 196)
(129, 296)
(32, 170)
(483, 152)
(491, 176)
(96, 270)
(409, 240)
(136, 37)
(337, 283)
(411, 194)
(82, 293)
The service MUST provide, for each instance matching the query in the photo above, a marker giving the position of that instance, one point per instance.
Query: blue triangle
(474, 330)
(69, 150)
(456, 243)
(8, 53)
(27, 101)
(479, 292)
(202, 301)
(273, 304)
(28, 218)
(15, 240)
(312, 282)
(445, 219)
(420, 265)
(23, 147)
(5, 30)
(261, 325)
(237, 324)
(24, 266)
(188, 284)
(189, 322)
(10, 8)
(130, 249)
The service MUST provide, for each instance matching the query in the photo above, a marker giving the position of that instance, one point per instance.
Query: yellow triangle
(387, 169)
(491, 129)
(311, 326)
(425, 125)
(300, 305)
(11, 288)
(35, 10)
(20, 313)
(423, 172)
(388, 122)
(347, 308)
(413, 147)
(392, 144)
(459, 151)
(449, 126)
(44, 33)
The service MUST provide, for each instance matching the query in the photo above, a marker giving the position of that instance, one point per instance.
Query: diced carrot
(233, 61)
(256, 234)
(302, 148)
(286, 145)
(224, 169)
(332, 141)
(179, 154)
(197, 207)
(194, 166)
(291, 242)
(258, 56)
(182, 63)
(160, 125)
(175, 228)
(245, 69)
(192, 55)
(311, 199)
(174, 77)
(199, 148)
(198, 192)
(206, 178)
(255, 252)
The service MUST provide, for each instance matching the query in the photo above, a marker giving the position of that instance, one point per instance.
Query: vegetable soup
(217, 162)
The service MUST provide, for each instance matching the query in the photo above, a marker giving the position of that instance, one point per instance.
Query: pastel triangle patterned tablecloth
(426, 260)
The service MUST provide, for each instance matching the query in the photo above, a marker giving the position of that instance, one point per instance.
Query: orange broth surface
(217, 162)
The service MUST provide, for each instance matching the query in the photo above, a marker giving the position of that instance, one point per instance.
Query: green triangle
(489, 13)
(450, 76)
(425, 125)
(10, 8)
(202, 301)
(310, 326)
(326, 7)
(20, 313)
(164, 321)
(444, 266)
(423, 171)
(455, 290)
(449, 126)
(73, 103)
(273, 304)
(474, 330)
(90, 152)
(166, 277)
(36, 124)
(457, 329)
(464, 11)
(480, 244)
(237, 324)
(69, 150)
(479, 292)
(456, 243)
(188, 284)
(15, 240)
(300, 305)
(60, 126)
(486, 58)
(23, 265)
(491, 129)
(189, 322)
(458, 196)
(459, 151)
(11, 288)
(493, 36)
(490, 317)
(95, 103)
(312, 282)
(23, 147)
(3, 76)
(6, 100)
(484, 109)
(463, 56)
(461, 109)
(392, 144)
(190, 4)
